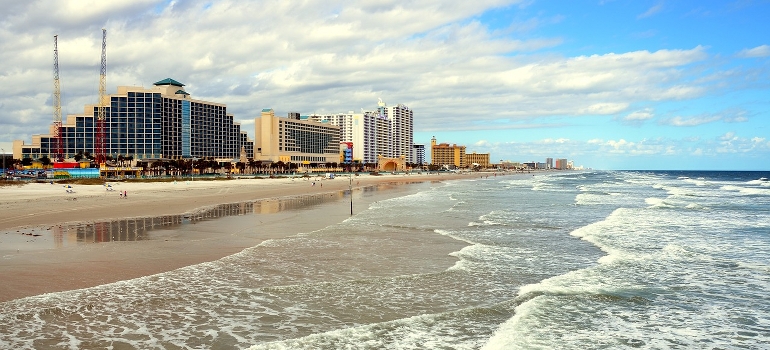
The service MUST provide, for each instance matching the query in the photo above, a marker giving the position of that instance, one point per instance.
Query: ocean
(555, 260)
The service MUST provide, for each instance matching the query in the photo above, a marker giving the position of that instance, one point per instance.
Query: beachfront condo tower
(368, 132)
(386, 131)
(162, 122)
(401, 130)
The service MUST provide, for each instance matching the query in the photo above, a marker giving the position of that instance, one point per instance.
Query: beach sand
(55, 238)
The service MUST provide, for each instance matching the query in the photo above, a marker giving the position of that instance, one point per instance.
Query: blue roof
(181, 92)
(267, 109)
(169, 81)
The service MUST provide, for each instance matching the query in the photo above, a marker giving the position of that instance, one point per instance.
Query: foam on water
(750, 191)
(561, 260)
(664, 283)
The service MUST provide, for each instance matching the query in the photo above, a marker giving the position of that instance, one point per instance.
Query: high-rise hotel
(163, 122)
(388, 131)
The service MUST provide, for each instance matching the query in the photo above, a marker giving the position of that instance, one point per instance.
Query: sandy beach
(37, 220)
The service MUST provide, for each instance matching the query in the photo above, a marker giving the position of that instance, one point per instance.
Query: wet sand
(54, 238)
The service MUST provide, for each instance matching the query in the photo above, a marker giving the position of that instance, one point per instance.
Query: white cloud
(552, 141)
(435, 56)
(728, 136)
(639, 116)
(731, 115)
(651, 11)
(331, 57)
(759, 51)
(619, 144)
(731, 143)
(690, 121)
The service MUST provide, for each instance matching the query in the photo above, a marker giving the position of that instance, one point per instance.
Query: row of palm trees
(185, 167)
(182, 167)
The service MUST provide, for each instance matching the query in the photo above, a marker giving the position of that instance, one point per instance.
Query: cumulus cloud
(730, 142)
(640, 116)
(332, 56)
(323, 58)
(759, 51)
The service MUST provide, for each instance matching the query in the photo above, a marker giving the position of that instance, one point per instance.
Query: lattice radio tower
(57, 102)
(100, 156)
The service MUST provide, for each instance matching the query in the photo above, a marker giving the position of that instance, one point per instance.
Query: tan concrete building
(289, 139)
(482, 159)
(446, 154)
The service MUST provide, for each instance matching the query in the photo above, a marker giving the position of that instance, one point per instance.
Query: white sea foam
(678, 277)
(449, 234)
(697, 182)
(747, 190)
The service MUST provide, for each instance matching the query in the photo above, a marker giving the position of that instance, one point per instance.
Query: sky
(608, 84)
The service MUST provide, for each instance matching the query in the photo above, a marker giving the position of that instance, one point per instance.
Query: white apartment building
(388, 131)
(401, 130)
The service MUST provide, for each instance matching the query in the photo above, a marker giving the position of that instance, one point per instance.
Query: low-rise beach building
(293, 140)
(482, 159)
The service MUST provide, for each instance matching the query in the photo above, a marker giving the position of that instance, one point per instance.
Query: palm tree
(154, 166)
(45, 160)
(251, 164)
(278, 165)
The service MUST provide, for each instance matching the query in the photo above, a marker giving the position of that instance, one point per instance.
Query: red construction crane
(99, 146)
(57, 124)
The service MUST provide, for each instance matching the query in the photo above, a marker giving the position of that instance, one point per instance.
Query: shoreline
(40, 204)
(39, 266)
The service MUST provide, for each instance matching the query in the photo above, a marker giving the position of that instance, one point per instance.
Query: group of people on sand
(123, 194)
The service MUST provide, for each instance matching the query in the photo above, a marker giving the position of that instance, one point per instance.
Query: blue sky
(607, 84)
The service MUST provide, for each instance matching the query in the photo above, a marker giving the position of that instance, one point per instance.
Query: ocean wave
(751, 191)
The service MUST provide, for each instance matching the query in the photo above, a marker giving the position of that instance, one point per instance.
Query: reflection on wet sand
(137, 229)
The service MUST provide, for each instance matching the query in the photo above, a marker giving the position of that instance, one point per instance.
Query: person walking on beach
(125, 194)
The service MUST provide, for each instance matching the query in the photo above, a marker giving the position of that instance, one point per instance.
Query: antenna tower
(57, 101)
(100, 156)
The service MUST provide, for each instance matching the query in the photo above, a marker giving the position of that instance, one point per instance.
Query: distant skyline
(608, 84)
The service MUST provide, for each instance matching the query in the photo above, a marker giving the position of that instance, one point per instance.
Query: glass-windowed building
(162, 122)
